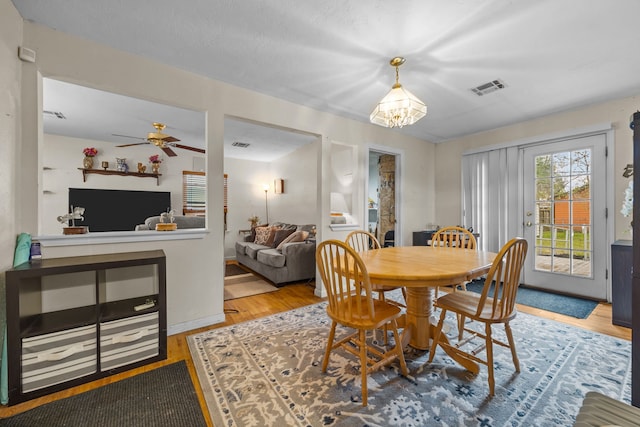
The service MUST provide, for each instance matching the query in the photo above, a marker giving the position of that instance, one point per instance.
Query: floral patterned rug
(267, 372)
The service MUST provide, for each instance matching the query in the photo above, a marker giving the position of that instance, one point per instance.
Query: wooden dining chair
(496, 304)
(351, 304)
(361, 240)
(454, 237)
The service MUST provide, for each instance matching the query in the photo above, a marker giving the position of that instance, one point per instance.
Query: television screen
(117, 210)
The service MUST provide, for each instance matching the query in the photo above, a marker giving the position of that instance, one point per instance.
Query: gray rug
(579, 308)
(267, 372)
(162, 397)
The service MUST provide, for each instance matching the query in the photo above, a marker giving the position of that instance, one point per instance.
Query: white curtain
(490, 195)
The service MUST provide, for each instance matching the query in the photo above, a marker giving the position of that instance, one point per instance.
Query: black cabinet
(621, 274)
(422, 238)
(76, 319)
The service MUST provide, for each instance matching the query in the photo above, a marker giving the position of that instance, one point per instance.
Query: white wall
(194, 267)
(10, 105)
(448, 173)
(297, 205)
(62, 156)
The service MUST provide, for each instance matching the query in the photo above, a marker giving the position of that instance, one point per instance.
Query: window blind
(194, 193)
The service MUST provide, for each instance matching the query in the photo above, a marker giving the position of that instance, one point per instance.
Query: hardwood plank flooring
(288, 298)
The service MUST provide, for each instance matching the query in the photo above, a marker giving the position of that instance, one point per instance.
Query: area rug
(162, 397)
(244, 285)
(268, 372)
(234, 270)
(563, 304)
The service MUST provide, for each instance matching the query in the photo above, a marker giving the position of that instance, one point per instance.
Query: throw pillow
(272, 236)
(298, 236)
(280, 235)
(262, 235)
(252, 237)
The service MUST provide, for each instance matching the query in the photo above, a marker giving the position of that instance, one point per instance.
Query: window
(194, 193)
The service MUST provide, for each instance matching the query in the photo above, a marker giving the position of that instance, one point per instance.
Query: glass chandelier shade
(399, 107)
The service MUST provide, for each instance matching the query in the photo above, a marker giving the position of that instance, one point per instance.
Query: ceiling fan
(160, 140)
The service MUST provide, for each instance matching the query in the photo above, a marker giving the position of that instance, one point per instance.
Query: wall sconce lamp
(278, 186)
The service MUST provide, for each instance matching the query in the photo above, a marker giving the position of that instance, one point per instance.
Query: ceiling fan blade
(169, 152)
(130, 145)
(170, 139)
(128, 136)
(186, 147)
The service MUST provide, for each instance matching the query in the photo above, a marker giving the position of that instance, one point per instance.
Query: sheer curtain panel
(490, 183)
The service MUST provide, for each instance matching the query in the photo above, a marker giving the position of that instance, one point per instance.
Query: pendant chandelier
(399, 107)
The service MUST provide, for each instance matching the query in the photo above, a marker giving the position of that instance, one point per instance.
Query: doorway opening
(383, 191)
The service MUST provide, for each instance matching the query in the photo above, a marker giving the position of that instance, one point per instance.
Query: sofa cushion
(280, 235)
(271, 257)
(241, 247)
(298, 236)
(252, 249)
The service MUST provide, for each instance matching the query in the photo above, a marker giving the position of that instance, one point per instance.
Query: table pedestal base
(418, 329)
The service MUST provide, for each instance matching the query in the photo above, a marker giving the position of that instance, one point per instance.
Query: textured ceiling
(553, 55)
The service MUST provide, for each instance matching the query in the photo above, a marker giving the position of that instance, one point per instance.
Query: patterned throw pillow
(253, 232)
(262, 235)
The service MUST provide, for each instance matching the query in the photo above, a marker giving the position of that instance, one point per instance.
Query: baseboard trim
(195, 324)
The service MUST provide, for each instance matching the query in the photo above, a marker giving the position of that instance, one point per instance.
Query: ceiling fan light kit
(162, 141)
(399, 107)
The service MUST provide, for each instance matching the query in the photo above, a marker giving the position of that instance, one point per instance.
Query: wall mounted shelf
(113, 172)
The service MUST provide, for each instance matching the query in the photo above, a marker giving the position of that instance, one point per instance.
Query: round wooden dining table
(419, 269)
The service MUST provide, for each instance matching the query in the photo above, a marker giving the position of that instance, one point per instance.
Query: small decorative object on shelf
(166, 222)
(76, 213)
(253, 220)
(89, 154)
(121, 165)
(141, 168)
(155, 163)
(105, 165)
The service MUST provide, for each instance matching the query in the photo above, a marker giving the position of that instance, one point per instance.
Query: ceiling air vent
(486, 88)
(240, 144)
(57, 114)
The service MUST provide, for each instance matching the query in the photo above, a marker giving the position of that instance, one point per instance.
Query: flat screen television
(117, 210)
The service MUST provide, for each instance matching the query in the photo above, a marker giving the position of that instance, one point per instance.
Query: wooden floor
(288, 298)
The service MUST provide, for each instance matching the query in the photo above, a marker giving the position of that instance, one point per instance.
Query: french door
(564, 206)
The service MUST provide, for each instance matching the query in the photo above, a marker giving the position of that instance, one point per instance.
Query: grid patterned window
(194, 193)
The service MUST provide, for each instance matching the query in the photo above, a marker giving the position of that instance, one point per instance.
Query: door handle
(528, 223)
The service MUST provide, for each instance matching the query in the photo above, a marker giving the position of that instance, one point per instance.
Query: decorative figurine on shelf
(253, 220)
(155, 163)
(166, 221)
(76, 213)
(141, 168)
(121, 165)
(89, 154)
